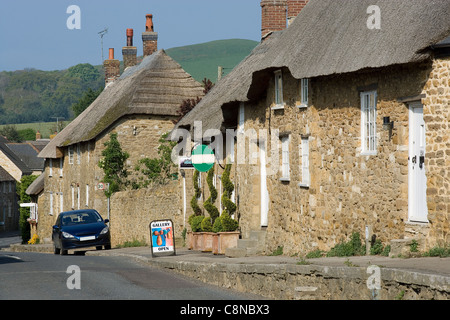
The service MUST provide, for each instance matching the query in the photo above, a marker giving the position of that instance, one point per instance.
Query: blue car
(80, 229)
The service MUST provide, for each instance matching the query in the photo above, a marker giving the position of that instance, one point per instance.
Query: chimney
(294, 8)
(112, 68)
(273, 17)
(149, 37)
(38, 135)
(129, 52)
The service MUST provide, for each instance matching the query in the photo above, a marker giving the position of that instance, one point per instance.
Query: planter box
(224, 240)
(216, 243)
(207, 243)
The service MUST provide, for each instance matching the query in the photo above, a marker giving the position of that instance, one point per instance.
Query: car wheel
(56, 250)
(63, 252)
(108, 247)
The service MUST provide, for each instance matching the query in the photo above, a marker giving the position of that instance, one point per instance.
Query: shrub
(353, 247)
(206, 225)
(196, 223)
(228, 223)
(209, 203)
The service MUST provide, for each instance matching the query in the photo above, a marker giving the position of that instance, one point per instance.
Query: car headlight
(67, 235)
(105, 230)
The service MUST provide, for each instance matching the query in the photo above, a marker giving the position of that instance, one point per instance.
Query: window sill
(302, 106)
(283, 179)
(369, 153)
(303, 185)
(278, 107)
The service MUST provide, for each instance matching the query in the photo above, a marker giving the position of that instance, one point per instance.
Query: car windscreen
(70, 219)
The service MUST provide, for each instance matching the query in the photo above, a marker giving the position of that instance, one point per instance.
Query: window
(61, 202)
(285, 158)
(50, 167)
(87, 195)
(73, 197)
(61, 164)
(78, 197)
(368, 122)
(70, 155)
(51, 203)
(304, 152)
(78, 154)
(241, 117)
(279, 90)
(304, 83)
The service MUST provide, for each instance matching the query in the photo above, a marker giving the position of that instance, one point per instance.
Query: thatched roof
(232, 88)
(157, 86)
(331, 37)
(36, 187)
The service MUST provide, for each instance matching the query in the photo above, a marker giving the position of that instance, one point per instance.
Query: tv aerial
(102, 33)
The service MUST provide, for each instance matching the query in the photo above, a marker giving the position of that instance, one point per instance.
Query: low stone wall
(312, 282)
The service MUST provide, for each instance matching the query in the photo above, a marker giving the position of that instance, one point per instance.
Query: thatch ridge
(157, 86)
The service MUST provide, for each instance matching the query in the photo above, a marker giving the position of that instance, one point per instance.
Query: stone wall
(437, 120)
(348, 190)
(133, 211)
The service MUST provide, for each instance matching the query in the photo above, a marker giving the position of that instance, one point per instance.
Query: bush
(228, 223)
(196, 223)
(353, 247)
(206, 225)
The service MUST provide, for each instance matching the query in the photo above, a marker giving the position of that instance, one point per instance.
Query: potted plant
(225, 227)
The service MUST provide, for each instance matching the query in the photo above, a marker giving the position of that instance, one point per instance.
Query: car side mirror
(55, 228)
(106, 221)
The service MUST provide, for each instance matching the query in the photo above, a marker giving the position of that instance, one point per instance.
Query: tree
(189, 104)
(21, 187)
(85, 101)
(113, 165)
(10, 132)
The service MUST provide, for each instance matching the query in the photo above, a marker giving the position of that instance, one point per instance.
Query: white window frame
(61, 165)
(50, 167)
(61, 201)
(241, 118)
(78, 197)
(87, 195)
(285, 167)
(369, 123)
(279, 100)
(78, 153)
(304, 93)
(305, 168)
(70, 152)
(73, 197)
(51, 203)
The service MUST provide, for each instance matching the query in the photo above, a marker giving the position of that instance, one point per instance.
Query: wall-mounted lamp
(388, 125)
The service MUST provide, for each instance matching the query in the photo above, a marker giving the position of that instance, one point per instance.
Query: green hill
(30, 95)
(202, 60)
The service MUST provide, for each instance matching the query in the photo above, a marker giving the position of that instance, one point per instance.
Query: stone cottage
(139, 106)
(341, 125)
(16, 160)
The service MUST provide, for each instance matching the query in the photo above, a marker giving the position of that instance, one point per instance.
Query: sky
(35, 33)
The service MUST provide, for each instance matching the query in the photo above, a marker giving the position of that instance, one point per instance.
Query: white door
(417, 203)
(264, 197)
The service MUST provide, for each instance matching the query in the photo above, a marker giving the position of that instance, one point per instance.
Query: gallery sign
(162, 238)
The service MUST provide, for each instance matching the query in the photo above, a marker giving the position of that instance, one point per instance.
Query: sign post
(162, 238)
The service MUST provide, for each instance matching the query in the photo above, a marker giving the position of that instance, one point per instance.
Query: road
(37, 276)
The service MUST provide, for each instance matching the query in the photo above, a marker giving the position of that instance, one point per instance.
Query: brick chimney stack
(112, 68)
(273, 17)
(129, 52)
(149, 37)
(294, 8)
(277, 13)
